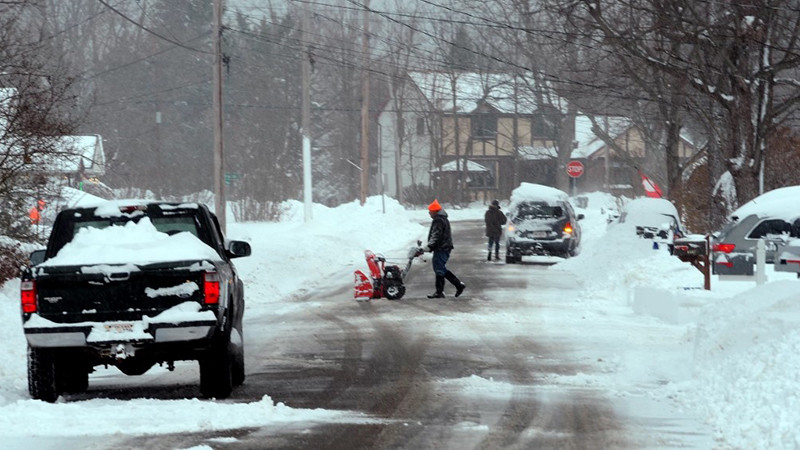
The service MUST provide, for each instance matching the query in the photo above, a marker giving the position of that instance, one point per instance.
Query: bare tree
(741, 55)
(263, 110)
(37, 107)
(399, 59)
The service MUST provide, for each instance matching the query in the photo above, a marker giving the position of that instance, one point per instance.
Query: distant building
(73, 158)
(461, 121)
(490, 132)
(76, 158)
(611, 169)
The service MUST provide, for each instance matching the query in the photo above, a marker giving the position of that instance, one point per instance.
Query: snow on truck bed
(132, 243)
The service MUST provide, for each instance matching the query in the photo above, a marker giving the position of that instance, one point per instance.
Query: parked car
(773, 216)
(653, 218)
(541, 221)
(787, 257)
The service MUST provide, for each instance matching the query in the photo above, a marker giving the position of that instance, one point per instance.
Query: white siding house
(408, 140)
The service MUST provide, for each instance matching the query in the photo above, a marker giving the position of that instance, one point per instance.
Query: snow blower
(384, 280)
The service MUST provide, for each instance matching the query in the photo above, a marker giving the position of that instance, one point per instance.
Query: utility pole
(515, 137)
(365, 107)
(457, 141)
(219, 166)
(398, 154)
(306, 125)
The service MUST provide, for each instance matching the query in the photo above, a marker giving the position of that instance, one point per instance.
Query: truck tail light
(211, 288)
(724, 248)
(568, 228)
(28, 296)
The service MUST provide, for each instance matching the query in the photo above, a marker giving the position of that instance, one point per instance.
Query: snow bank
(296, 257)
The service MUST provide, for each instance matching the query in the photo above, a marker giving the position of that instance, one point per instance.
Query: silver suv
(773, 216)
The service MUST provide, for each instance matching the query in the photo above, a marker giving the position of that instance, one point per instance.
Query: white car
(654, 218)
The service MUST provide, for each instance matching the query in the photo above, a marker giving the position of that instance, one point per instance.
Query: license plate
(118, 327)
(539, 234)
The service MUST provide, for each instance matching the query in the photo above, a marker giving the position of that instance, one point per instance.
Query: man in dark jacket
(495, 219)
(440, 242)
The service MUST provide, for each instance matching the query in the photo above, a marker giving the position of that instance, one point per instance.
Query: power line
(144, 58)
(162, 37)
(325, 50)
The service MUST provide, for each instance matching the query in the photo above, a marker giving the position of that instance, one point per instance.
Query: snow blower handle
(418, 251)
(414, 252)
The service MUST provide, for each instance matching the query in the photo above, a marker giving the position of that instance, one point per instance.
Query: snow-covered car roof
(782, 203)
(527, 192)
(648, 212)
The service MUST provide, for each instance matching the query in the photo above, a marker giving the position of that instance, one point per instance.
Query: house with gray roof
(497, 123)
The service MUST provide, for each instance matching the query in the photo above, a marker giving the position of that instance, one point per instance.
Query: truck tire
(42, 375)
(216, 369)
(238, 360)
(72, 375)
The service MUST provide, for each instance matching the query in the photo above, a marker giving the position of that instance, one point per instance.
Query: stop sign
(574, 169)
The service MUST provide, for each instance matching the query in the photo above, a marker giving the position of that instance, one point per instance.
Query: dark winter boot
(451, 277)
(497, 255)
(439, 288)
(489, 256)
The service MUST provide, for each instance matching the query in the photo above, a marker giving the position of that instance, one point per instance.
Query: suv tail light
(724, 248)
(28, 296)
(211, 288)
(568, 228)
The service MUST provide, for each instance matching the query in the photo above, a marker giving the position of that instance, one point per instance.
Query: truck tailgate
(108, 292)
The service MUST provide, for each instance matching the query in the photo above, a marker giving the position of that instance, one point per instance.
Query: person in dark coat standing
(440, 242)
(495, 219)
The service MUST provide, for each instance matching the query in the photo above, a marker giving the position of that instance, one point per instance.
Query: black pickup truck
(132, 284)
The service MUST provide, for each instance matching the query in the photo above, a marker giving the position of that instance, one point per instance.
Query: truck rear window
(169, 225)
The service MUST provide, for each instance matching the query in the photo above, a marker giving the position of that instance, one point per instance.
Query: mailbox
(689, 248)
(693, 249)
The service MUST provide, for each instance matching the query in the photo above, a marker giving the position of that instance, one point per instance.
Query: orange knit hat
(434, 206)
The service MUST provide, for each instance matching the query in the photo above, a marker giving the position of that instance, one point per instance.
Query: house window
(483, 179)
(542, 128)
(420, 126)
(484, 126)
(620, 174)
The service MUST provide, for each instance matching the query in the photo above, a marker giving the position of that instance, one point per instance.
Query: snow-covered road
(540, 354)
